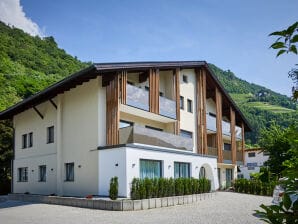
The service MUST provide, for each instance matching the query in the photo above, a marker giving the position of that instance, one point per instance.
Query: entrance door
(229, 177)
(218, 176)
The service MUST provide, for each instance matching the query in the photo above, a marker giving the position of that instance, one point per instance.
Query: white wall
(128, 160)
(188, 91)
(259, 158)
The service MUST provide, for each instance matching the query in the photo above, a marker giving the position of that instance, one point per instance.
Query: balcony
(211, 123)
(167, 107)
(227, 156)
(239, 157)
(212, 151)
(137, 97)
(141, 135)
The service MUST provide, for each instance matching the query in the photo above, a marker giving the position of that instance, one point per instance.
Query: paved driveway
(224, 207)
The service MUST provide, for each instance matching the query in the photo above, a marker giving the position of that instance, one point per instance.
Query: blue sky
(230, 34)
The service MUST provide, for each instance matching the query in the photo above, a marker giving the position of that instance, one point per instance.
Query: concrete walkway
(225, 207)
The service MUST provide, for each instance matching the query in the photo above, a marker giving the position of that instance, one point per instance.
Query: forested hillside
(261, 106)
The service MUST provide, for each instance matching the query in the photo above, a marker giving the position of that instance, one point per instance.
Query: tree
(287, 43)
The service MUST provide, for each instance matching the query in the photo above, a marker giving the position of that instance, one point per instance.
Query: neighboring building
(254, 160)
(142, 119)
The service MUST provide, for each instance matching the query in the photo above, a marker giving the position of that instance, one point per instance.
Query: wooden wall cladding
(177, 98)
(201, 111)
(233, 135)
(154, 91)
(219, 141)
(123, 81)
(112, 111)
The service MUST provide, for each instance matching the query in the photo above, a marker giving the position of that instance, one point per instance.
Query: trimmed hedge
(113, 192)
(166, 187)
(256, 187)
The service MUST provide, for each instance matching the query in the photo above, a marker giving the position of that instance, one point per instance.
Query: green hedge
(165, 187)
(113, 192)
(256, 187)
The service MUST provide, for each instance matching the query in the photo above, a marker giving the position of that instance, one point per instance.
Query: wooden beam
(123, 82)
(177, 98)
(219, 141)
(233, 135)
(154, 91)
(243, 141)
(53, 103)
(201, 111)
(38, 112)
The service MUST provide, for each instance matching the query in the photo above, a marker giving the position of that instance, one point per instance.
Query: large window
(202, 172)
(227, 146)
(181, 102)
(251, 154)
(181, 169)
(50, 134)
(69, 171)
(23, 174)
(30, 139)
(186, 134)
(42, 173)
(189, 105)
(150, 168)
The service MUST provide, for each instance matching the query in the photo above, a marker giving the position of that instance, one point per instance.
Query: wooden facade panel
(233, 135)
(201, 111)
(177, 98)
(112, 111)
(123, 81)
(243, 141)
(154, 91)
(219, 141)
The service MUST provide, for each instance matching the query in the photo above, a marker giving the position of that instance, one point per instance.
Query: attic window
(184, 78)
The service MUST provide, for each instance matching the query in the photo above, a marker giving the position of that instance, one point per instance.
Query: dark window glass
(184, 78)
(69, 171)
(189, 105)
(202, 172)
(227, 146)
(24, 141)
(181, 169)
(30, 139)
(50, 137)
(186, 134)
(212, 114)
(124, 124)
(23, 174)
(42, 173)
(251, 154)
(153, 128)
(182, 102)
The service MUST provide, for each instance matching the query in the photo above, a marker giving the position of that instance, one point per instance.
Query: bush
(165, 187)
(254, 187)
(113, 192)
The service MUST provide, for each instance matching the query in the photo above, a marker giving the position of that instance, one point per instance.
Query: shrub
(113, 192)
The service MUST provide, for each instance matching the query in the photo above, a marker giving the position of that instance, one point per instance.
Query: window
(227, 146)
(130, 83)
(251, 154)
(186, 134)
(30, 139)
(252, 164)
(124, 124)
(24, 141)
(212, 114)
(250, 168)
(202, 172)
(42, 173)
(69, 171)
(161, 94)
(153, 128)
(150, 169)
(50, 137)
(181, 102)
(181, 169)
(189, 105)
(184, 78)
(266, 153)
(147, 88)
(23, 174)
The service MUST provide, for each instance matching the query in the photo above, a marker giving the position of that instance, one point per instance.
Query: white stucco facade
(124, 163)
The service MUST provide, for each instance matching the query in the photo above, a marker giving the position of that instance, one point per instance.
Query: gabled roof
(97, 69)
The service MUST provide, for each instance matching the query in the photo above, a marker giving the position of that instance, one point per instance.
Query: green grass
(243, 99)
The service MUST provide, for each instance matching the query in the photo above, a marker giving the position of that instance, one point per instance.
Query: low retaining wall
(117, 205)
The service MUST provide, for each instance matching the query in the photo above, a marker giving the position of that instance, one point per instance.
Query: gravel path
(224, 207)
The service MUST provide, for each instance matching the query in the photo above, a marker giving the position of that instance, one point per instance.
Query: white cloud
(11, 13)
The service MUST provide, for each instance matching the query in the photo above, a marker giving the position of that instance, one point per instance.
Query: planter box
(157, 202)
(145, 204)
(152, 203)
(137, 205)
(164, 202)
(127, 205)
(180, 200)
(170, 201)
(99, 204)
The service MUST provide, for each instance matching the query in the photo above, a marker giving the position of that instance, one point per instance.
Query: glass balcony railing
(238, 132)
(137, 97)
(226, 128)
(211, 123)
(142, 135)
(167, 107)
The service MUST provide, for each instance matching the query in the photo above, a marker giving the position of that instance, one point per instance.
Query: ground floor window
(150, 168)
(42, 173)
(181, 169)
(229, 177)
(202, 172)
(69, 171)
(23, 174)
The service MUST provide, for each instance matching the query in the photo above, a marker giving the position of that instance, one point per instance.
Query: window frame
(68, 177)
(181, 102)
(189, 106)
(151, 160)
(230, 147)
(42, 178)
(185, 135)
(153, 128)
(23, 174)
(30, 140)
(24, 141)
(50, 138)
(184, 78)
(179, 167)
(251, 154)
